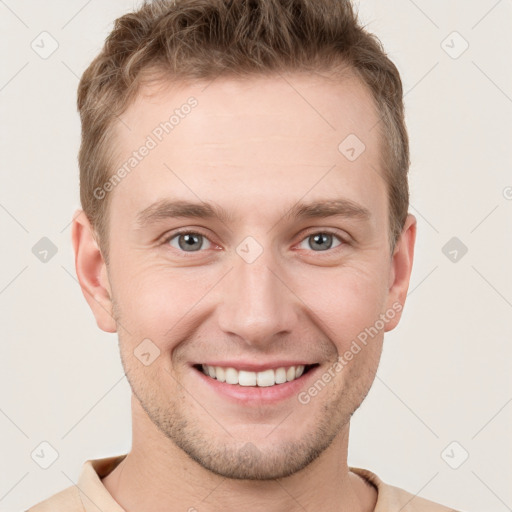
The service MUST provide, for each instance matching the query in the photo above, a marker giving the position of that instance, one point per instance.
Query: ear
(400, 271)
(91, 271)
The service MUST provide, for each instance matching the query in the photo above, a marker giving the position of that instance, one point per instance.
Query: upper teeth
(245, 378)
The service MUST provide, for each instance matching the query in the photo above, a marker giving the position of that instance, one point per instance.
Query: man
(245, 231)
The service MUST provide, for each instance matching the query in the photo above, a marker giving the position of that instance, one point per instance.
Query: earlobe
(91, 271)
(400, 271)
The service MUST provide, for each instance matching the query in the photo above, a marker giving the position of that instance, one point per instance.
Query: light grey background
(445, 371)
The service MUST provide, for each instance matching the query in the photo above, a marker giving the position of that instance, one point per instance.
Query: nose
(257, 303)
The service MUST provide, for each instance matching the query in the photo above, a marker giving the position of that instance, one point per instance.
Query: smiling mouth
(265, 378)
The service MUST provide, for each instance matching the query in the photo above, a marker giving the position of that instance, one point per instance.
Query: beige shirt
(90, 495)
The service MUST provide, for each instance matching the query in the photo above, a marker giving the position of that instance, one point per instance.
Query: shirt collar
(93, 493)
(96, 498)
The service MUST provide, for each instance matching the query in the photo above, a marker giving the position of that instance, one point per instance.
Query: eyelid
(312, 231)
(326, 231)
(342, 236)
(185, 231)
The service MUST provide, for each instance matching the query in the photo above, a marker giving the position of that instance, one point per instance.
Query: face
(288, 265)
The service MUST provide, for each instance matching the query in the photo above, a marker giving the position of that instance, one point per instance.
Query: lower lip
(255, 395)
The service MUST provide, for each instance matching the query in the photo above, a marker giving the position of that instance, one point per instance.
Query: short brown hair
(202, 39)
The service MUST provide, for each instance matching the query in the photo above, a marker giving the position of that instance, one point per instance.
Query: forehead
(280, 107)
(255, 140)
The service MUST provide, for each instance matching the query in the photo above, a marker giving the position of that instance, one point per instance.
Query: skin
(255, 147)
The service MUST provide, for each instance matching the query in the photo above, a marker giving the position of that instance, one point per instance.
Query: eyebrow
(170, 209)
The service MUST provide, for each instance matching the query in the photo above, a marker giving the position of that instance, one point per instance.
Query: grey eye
(321, 241)
(188, 242)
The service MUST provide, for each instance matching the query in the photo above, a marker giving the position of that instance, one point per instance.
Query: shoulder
(395, 499)
(67, 500)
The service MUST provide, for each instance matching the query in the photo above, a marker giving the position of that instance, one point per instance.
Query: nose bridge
(256, 304)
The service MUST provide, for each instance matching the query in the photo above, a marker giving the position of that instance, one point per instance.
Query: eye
(322, 240)
(187, 241)
(193, 241)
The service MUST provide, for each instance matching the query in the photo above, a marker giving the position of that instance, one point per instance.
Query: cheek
(156, 302)
(163, 304)
(344, 302)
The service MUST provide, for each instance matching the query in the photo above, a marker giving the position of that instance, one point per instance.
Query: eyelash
(308, 235)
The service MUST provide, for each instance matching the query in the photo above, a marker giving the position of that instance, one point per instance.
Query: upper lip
(257, 367)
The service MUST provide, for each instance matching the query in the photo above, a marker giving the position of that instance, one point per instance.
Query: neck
(158, 476)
